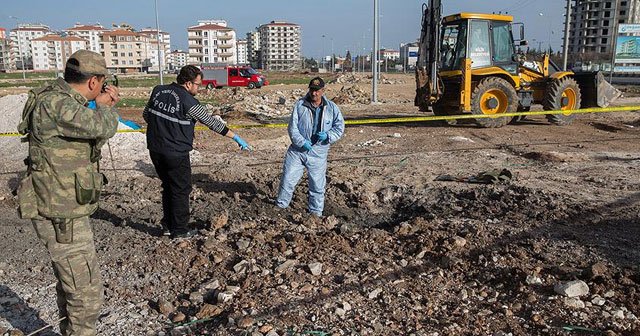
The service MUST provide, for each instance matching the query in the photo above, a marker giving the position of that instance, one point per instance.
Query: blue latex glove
(306, 145)
(92, 104)
(243, 144)
(322, 136)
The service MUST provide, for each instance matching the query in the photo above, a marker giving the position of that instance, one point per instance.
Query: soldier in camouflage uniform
(63, 182)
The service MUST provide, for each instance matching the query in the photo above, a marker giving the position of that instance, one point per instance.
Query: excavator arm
(428, 86)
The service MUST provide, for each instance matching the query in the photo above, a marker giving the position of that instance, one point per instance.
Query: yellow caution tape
(416, 119)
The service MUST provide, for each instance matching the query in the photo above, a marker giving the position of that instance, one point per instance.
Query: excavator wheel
(562, 94)
(493, 96)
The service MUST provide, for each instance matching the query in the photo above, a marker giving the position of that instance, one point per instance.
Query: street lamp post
(24, 76)
(324, 56)
(614, 39)
(158, 38)
(567, 24)
(374, 95)
(333, 69)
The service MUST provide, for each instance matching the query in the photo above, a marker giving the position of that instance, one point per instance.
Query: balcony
(225, 54)
(224, 37)
(196, 54)
(225, 46)
(195, 37)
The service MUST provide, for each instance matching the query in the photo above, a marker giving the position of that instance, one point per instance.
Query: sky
(337, 25)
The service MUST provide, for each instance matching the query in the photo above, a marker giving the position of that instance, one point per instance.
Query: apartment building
(630, 47)
(90, 33)
(52, 51)
(280, 46)
(241, 51)
(165, 46)
(7, 61)
(212, 41)
(21, 42)
(177, 59)
(126, 51)
(594, 23)
(253, 48)
(389, 54)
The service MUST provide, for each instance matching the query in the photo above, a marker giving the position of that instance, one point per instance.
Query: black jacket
(169, 127)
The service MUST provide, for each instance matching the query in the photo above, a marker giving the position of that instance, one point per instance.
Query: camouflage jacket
(65, 138)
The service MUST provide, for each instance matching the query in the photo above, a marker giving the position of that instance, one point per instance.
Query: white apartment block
(52, 51)
(165, 46)
(212, 41)
(594, 22)
(7, 60)
(253, 48)
(21, 42)
(389, 54)
(280, 46)
(241, 51)
(177, 59)
(91, 33)
(126, 51)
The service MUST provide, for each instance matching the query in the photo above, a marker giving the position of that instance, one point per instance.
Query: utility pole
(567, 22)
(374, 79)
(158, 37)
(614, 39)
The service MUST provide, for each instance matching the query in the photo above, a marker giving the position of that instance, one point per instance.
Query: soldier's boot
(75, 264)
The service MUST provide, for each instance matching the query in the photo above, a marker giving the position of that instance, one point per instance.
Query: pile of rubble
(348, 78)
(263, 106)
(352, 78)
(352, 95)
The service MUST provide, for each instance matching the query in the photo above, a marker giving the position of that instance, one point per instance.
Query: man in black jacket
(171, 115)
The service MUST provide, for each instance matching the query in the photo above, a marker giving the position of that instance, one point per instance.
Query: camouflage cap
(316, 83)
(88, 62)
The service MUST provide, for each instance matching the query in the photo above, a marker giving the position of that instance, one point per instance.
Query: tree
(308, 63)
(347, 65)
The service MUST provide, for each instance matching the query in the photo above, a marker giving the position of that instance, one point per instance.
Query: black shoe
(185, 235)
(165, 229)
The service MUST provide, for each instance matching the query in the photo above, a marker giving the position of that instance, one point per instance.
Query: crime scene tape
(398, 120)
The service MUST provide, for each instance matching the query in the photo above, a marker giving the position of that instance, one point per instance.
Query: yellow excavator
(468, 63)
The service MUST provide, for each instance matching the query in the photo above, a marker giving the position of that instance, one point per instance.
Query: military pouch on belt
(27, 201)
(64, 230)
(88, 187)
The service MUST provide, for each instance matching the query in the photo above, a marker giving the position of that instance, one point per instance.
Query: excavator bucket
(427, 85)
(595, 90)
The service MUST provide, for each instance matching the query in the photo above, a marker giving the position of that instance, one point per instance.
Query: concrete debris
(575, 288)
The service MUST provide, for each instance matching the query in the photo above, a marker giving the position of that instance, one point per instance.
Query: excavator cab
(484, 39)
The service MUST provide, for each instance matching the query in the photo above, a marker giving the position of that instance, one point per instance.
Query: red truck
(219, 75)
